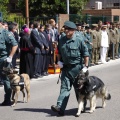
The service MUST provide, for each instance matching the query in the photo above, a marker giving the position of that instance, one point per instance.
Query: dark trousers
(38, 62)
(45, 66)
(112, 51)
(119, 49)
(90, 56)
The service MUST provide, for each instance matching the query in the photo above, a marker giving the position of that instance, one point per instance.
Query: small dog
(18, 83)
(90, 87)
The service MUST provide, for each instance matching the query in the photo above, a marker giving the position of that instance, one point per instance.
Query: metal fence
(90, 19)
(43, 20)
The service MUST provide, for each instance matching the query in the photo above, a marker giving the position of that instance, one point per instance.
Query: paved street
(44, 93)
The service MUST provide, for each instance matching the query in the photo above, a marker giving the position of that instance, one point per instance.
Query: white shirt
(104, 39)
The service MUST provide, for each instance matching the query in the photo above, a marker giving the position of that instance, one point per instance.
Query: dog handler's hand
(9, 59)
(60, 64)
(84, 69)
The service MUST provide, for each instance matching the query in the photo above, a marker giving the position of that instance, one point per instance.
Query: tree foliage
(3, 8)
(51, 7)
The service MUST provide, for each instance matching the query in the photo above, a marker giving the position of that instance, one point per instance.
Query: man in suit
(49, 39)
(38, 46)
(54, 30)
(44, 66)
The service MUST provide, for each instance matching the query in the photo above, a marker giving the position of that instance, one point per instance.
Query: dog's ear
(87, 73)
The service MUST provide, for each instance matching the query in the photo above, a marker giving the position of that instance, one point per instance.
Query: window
(116, 4)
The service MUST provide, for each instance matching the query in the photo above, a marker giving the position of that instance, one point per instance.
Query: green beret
(70, 24)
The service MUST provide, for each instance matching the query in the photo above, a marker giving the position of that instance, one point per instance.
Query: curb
(92, 68)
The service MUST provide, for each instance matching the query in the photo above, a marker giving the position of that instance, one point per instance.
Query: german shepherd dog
(90, 87)
(17, 85)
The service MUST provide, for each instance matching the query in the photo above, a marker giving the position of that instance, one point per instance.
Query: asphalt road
(44, 93)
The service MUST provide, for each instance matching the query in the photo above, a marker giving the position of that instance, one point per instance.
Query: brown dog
(18, 83)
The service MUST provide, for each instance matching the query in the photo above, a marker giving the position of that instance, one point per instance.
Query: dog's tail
(107, 94)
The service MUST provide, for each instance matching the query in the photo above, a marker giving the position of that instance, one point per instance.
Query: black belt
(69, 65)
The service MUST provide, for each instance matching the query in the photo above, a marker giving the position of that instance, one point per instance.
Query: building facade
(106, 4)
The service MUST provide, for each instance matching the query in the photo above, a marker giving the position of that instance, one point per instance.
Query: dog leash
(59, 77)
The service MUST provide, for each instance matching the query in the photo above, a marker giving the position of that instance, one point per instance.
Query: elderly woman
(26, 54)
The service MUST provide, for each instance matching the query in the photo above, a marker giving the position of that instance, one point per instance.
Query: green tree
(3, 8)
(51, 7)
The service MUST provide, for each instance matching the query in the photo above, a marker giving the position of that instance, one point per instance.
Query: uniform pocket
(2, 45)
(73, 51)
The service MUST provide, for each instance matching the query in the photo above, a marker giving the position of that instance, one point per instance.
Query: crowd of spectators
(37, 44)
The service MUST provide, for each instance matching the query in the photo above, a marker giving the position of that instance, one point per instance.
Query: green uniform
(88, 40)
(119, 44)
(95, 53)
(6, 42)
(72, 51)
(113, 42)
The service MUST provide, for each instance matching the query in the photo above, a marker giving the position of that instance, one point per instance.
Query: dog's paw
(104, 105)
(91, 111)
(26, 101)
(13, 105)
(77, 115)
(13, 100)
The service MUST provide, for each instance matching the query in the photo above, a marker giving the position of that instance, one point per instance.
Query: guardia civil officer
(8, 46)
(88, 41)
(71, 50)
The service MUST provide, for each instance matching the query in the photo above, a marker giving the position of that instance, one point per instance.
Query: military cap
(113, 24)
(104, 26)
(94, 25)
(70, 24)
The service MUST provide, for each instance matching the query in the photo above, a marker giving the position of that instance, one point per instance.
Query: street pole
(67, 6)
(27, 11)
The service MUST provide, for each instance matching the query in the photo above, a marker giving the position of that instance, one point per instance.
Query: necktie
(48, 36)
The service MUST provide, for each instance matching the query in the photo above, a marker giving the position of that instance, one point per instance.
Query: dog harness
(21, 83)
(92, 84)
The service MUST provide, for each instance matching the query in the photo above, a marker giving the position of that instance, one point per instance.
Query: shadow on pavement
(68, 112)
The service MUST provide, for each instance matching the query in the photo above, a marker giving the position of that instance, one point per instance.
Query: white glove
(9, 59)
(60, 64)
(85, 69)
